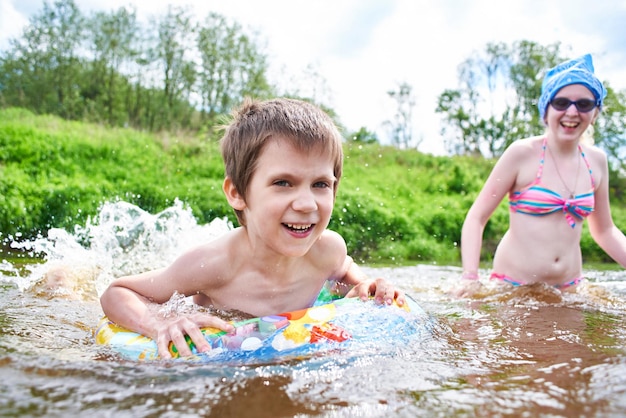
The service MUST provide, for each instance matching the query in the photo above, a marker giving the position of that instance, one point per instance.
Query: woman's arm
(601, 225)
(500, 182)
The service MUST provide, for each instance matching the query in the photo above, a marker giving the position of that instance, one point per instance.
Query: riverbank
(393, 206)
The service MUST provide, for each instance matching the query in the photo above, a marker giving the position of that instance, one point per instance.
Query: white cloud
(11, 22)
(364, 49)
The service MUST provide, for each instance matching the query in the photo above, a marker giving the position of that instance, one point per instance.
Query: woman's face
(570, 123)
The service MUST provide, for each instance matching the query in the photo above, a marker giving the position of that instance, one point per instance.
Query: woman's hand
(466, 288)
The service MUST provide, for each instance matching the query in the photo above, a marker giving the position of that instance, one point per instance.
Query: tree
(610, 128)
(496, 101)
(113, 45)
(175, 33)
(510, 79)
(460, 115)
(231, 66)
(401, 127)
(363, 136)
(174, 73)
(529, 61)
(42, 69)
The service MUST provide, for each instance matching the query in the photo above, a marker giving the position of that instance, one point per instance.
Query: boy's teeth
(292, 226)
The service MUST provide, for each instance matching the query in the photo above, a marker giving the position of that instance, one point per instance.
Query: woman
(554, 182)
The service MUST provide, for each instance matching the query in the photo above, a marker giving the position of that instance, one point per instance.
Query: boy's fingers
(178, 338)
(213, 322)
(400, 298)
(384, 292)
(163, 343)
(362, 292)
(198, 339)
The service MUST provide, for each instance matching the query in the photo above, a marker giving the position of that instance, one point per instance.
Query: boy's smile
(299, 229)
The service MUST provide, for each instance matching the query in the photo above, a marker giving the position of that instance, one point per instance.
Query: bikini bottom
(507, 279)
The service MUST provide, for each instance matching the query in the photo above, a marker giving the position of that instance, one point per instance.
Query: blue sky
(350, 53)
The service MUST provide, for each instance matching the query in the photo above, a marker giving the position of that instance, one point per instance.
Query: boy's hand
(381, 289)
(174, 330)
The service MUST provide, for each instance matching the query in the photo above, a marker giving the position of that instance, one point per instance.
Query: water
(525, 352)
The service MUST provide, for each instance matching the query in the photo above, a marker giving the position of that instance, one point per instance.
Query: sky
(356, 51)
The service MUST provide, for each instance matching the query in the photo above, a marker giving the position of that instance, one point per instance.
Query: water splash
(121, 239)
(178, 304)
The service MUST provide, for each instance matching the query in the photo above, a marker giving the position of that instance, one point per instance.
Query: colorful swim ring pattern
(341, 323)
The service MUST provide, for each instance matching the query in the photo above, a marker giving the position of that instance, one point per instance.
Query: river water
(529, 351)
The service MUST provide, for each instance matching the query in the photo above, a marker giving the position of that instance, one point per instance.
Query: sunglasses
(582, 105)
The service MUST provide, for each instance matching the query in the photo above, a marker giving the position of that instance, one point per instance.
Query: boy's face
(290, 198)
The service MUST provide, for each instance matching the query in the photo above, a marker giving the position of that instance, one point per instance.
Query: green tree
(460, 120)
(141, 93)
(175, 33)
(363, 136)
(113, 48)
(172, 74)
(610, 128)
(231, 68)
(529, 61)
(401, 127)
(41, 70)
(496, 101)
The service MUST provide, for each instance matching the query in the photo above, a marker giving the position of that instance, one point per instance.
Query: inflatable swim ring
(346, 323)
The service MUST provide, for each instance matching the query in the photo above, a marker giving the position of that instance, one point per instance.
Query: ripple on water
(530, 351)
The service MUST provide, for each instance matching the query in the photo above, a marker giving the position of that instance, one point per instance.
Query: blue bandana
(576, 71)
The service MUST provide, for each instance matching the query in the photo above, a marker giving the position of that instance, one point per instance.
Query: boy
(283, 161)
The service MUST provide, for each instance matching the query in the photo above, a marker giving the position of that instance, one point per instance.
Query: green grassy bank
(393, 206)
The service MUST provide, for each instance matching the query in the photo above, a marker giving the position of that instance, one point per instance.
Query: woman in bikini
(553, 182)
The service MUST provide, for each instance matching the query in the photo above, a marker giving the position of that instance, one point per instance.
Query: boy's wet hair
(256, 122)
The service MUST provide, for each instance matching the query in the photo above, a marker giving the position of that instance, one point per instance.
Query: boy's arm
(126, 302)
(351, 281)
(364, 287)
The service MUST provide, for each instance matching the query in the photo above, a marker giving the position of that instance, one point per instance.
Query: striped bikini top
(538, 200)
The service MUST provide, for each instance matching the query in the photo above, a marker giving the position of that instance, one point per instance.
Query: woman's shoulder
(526, 147)
(530, 143)
(593, 150)
(595, 155)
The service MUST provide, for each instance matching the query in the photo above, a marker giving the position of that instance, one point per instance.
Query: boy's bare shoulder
(213, 259)
(332, 241)
(329, 253)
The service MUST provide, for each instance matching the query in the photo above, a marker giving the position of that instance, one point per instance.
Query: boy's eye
(281, 183)
(321, 184)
